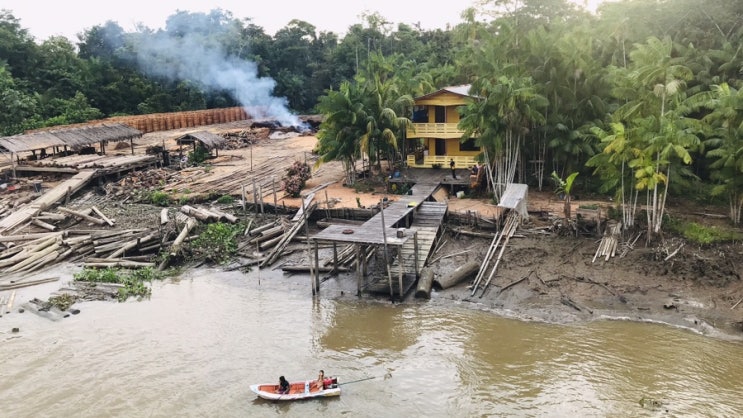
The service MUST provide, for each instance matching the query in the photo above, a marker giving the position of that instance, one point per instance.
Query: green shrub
(159, 198)
(216, 243)
(225, 199)
(198, 156)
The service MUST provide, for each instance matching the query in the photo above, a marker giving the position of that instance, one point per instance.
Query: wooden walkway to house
(400, 214)
(414, 253)
(56, 194)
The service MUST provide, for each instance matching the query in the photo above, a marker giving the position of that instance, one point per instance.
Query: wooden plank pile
(609, 243)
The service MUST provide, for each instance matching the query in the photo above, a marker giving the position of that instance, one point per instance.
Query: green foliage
(159, 198)
(133, 280)
(225, 199)
(701, 234)
(217, 242)
(198, 156)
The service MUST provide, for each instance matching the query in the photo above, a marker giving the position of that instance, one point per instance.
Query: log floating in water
(425, 282)
(455, 277)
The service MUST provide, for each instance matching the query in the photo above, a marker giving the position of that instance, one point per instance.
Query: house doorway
(440, 146)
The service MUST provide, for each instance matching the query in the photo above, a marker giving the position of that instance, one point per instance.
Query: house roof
(73, 138)
(209, 139)
(462, 90)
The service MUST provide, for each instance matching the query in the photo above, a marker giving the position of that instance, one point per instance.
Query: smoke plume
(191, 48)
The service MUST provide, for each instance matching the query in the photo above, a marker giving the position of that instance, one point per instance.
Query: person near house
(184, 161)
(453, 173)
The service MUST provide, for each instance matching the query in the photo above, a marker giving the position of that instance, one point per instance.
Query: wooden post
(309, 248)
(399, 252)
(255, 197)
(275, 204)
(415, 256)
(242, 189)
(386, 258)
(260, 196)
(327, 205)
(317, 269)
(335, 258)
(359, 269)
(131, 142)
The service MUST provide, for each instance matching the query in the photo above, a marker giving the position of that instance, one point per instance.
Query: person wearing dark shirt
(283, 385)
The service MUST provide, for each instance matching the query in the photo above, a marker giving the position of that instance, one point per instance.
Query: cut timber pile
(609, 243)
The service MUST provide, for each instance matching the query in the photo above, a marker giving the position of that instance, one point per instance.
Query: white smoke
(189, 49)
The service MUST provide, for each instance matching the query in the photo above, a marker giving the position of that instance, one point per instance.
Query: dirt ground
(542, 276)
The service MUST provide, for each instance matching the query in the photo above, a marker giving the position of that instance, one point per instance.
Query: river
(194, 348)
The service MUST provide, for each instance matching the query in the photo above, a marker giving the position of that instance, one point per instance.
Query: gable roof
(462, 90)
(209, 139)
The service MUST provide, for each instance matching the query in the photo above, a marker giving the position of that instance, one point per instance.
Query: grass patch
(702, 234)
(133, 280)
(593, 206)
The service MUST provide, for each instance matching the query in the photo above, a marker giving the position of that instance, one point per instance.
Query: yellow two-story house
(434, 140)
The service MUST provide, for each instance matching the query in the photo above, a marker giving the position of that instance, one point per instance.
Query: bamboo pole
(82, 216)
(104, 217)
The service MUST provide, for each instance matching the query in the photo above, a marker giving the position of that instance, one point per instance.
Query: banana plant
(565, 187)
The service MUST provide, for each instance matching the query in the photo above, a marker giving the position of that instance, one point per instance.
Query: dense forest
(643, 99)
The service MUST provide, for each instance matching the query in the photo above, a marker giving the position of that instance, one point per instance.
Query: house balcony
(434, 130)
(441, 161)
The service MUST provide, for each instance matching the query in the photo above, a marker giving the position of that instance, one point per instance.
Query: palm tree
(501, 119)
(724, 128)
(344, 125)
(658, 122)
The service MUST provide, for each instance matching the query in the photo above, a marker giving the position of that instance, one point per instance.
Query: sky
(44, 18)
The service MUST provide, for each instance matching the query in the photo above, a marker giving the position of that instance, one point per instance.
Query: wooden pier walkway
(427, 224)
(394, 227)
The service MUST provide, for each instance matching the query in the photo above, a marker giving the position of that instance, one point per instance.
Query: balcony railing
(436, 130)
(441, 161)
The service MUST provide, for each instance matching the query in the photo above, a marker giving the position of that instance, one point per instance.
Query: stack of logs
(130, 248)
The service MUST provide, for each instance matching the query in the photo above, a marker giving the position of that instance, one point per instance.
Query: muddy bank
(548, 278)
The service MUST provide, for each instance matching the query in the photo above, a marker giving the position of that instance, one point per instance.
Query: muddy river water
(196, 345)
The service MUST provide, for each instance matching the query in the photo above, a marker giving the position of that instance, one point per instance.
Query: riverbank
(542, 276)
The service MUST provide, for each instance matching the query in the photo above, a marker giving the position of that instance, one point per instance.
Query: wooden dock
(393, 228)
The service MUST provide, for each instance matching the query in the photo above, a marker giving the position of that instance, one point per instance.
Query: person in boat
(323, 382)
(283, 385)
(320, 383)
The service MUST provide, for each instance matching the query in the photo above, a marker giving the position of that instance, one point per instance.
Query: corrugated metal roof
(73, 138)
(462, 90)
(209, 139)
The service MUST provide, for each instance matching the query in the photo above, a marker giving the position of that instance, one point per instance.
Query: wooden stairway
(427, 221)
